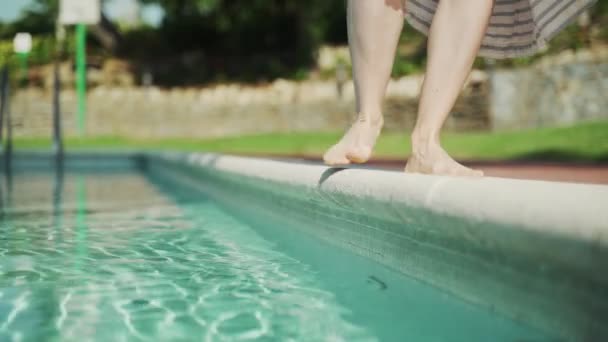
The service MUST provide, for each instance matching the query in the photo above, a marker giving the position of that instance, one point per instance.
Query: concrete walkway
(531, 170)
(571, 173)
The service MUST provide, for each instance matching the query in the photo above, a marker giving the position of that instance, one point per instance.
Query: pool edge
(548, 207)
(558, 227)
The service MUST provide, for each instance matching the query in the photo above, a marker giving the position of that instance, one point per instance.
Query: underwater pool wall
(512, 246)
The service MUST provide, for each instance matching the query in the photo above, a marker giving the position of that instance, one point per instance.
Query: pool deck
(571, 172)
(545, 171)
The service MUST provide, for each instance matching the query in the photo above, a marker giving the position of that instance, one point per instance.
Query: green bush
(42, 53)
(43, 50)
(205, 41)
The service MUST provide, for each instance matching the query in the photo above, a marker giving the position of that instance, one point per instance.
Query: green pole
(81, 75)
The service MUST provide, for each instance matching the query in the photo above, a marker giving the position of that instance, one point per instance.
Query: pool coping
(575, 211)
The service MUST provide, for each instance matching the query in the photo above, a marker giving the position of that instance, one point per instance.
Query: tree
(259, 24)
(208, 40)
(272, 37)
(38, 19)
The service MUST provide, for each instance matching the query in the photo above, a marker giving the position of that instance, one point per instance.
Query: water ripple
(155, 270)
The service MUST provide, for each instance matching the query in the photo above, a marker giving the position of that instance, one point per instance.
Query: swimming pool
(140, 248)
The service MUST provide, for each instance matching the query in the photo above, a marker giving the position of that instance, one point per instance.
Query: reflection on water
(114, 256)
(107, 255)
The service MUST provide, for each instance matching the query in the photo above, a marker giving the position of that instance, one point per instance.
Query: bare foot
(356, 145)
(434, 160)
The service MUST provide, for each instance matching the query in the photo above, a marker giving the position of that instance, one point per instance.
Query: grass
(583, 142)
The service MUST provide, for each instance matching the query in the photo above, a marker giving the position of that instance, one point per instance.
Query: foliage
(43, 50)
(38, 19)
(214, 40)
(202, 41)
(411, 53)
(600, 18)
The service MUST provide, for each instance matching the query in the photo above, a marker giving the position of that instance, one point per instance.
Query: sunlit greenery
(202, 41)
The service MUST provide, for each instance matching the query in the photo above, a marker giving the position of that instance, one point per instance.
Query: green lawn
(583, 142)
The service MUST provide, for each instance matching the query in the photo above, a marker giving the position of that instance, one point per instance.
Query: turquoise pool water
(118, 256)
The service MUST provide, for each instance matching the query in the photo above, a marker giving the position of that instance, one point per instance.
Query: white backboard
(73, 12)
(22, 42)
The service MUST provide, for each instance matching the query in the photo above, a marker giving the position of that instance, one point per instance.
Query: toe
(359, 154)
(467, 172)
(409, 168)
(478, 173)
(336, 162)
(334, 158)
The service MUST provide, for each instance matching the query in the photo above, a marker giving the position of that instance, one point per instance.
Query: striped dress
(517, 27)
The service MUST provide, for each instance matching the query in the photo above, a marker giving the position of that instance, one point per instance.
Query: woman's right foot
(357, 144)
(432, 159)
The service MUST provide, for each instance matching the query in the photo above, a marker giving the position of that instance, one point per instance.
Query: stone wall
(560, 90)
(228, 110)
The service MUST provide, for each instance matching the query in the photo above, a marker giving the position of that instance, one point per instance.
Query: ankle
(373, 119)
(424, 142)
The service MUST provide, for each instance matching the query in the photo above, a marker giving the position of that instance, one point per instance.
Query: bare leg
(374, 27)
(456, 33)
